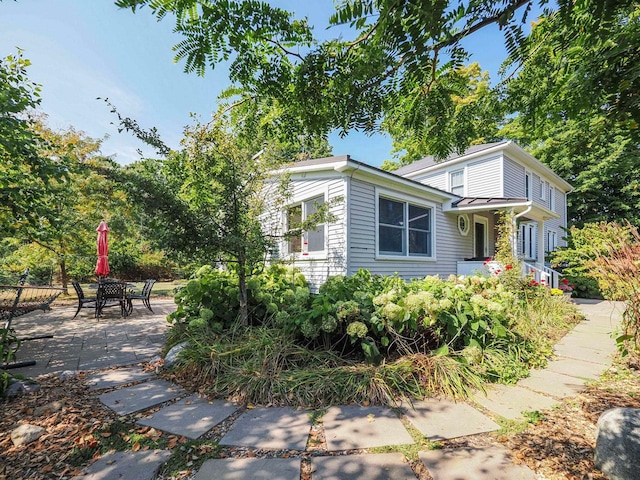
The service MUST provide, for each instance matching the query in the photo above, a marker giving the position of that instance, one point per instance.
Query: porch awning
(533, 210)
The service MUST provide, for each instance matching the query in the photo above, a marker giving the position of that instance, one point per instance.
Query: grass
(261, 365)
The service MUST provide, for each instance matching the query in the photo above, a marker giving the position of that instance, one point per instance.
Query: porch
(479, 216)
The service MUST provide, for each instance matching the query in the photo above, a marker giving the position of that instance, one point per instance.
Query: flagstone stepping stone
(138, 397)
(552, 383)
(270, 427)
(586, 354)
(576, 368)
(351, 426)
(142, 465)
(440, 419)
(488, 463)
(510, 401)
(385, 466)
(190, 417)
(113, 378)
(249, 468)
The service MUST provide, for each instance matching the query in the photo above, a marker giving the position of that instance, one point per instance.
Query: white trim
(406, 199)
(528, 184)
(464, 231)
(485, 222)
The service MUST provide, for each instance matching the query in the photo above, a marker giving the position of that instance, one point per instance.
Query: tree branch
(287, 52)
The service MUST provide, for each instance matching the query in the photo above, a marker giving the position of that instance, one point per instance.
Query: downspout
(514, 231)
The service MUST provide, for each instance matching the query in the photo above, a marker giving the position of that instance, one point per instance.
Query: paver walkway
(349, 430)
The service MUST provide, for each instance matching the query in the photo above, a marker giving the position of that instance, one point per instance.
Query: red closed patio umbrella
(102, 266)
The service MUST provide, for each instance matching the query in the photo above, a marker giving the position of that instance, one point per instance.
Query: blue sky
(83, 49)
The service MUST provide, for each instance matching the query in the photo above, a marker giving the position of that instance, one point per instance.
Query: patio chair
(144, 296)
(112, 294)
(83, 301)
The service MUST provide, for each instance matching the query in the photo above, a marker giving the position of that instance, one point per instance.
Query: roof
(430, 161)
(511, 149)
(479, 201)
(346, 164)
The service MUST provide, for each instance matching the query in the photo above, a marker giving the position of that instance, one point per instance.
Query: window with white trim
(308, 242)
(404, 228)
(544, 186)
(552, 198)
(528, 233)
(456, 182)
(528, 178)
(552, 240)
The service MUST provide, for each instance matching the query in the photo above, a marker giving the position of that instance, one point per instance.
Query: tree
(25, 174)
(459, 110)
(402, 52)
(574, 104)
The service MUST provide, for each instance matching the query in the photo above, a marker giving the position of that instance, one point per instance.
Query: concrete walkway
(283, 434)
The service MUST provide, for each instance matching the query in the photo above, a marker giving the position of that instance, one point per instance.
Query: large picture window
(404, 228)
(312, 241)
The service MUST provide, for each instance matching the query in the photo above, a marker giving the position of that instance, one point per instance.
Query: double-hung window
(456, 182)
(305, 242)
(552, 198)
(528, 187)
(404, 228)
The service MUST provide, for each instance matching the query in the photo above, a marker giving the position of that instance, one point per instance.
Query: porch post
(540, 254)
(513, 233)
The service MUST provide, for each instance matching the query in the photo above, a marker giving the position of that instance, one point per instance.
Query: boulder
(19, 387)
(172, 356)
(617, 452)
(25, 434)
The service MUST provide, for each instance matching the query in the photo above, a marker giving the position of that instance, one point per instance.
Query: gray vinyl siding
(513, 179)
(449, 245)
(436, 180)
(558, 225)
(483, 178)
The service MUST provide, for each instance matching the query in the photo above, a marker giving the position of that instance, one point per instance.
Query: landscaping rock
(68, 374)
(617, 452)
(26, 434)
(51, 407)
(172, 356)
(20, 387)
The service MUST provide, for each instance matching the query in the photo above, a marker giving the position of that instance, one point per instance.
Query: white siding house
(426, 218)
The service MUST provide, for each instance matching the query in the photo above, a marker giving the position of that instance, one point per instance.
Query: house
(426, 218)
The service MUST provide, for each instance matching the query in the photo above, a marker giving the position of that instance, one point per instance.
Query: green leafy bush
(211, 299)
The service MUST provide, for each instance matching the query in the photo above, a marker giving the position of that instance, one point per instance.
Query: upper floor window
(528, 178)
(552, 198)
(311, 241)
(404, 229)
(552, 240)
(456, 182)
(544, 186)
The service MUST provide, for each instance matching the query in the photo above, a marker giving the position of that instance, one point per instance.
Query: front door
(480, 237)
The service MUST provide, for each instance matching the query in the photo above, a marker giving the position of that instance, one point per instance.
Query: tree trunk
(64, 276)
(242, 284)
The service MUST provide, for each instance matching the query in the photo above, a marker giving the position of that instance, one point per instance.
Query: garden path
(281, 436)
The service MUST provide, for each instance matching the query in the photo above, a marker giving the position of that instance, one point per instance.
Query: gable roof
(430, 161)
(512, 149)
(346, 164)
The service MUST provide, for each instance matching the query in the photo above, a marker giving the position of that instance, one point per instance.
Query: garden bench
(18, 300)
